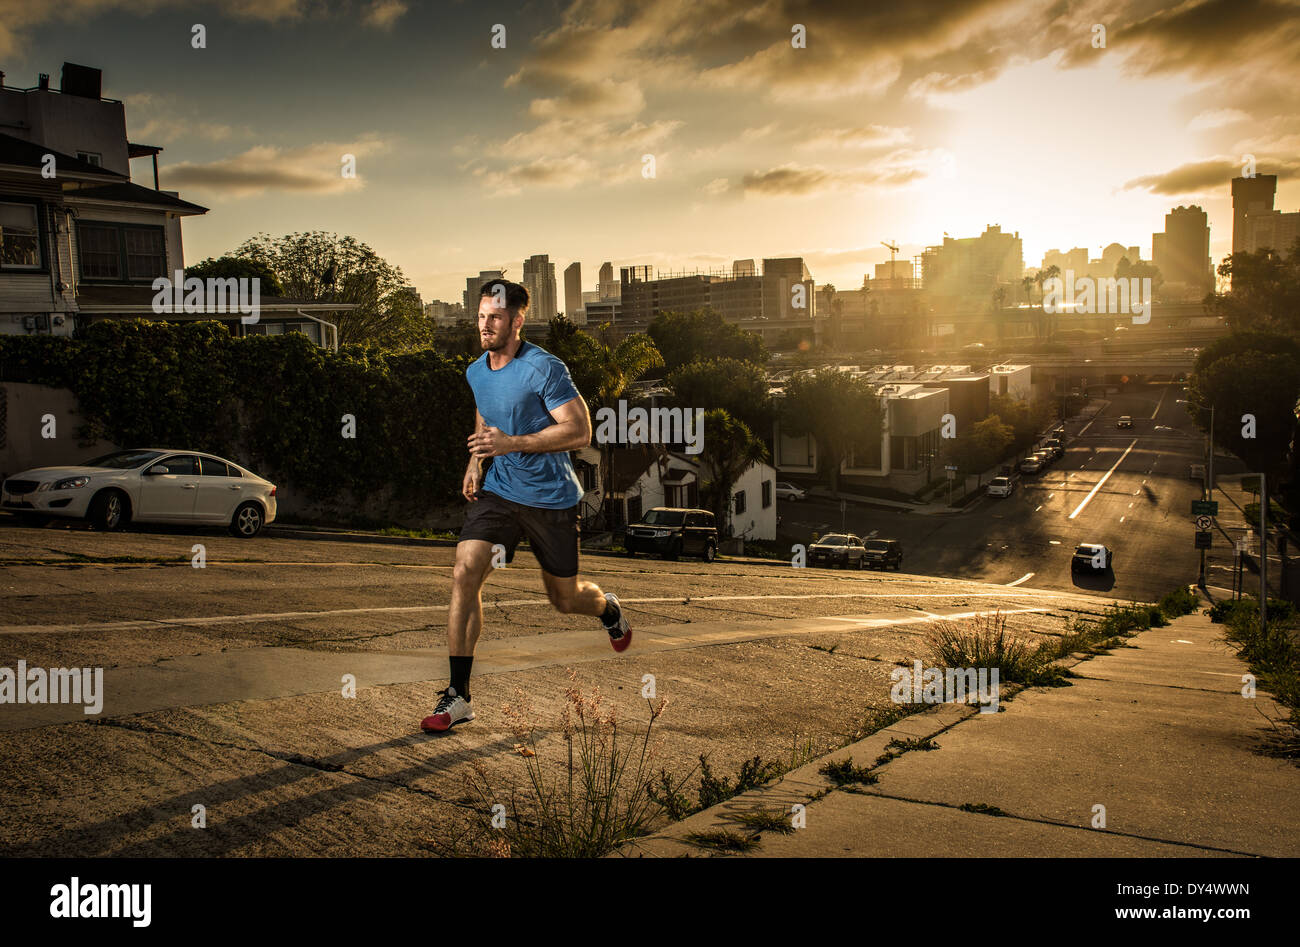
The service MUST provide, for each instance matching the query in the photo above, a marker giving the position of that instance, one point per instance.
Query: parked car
(882, 553)
(1031, 464)
(843, 550)
(673, 532)
(788, 491)
(1092, 557)
(1000, 487)
(1124, 422)
(148, 485)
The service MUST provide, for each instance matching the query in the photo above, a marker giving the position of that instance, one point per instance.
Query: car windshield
(664, 518)
(1087, 551)
(124, 459)
(833, 541)
(1000, 481)
(878, 545)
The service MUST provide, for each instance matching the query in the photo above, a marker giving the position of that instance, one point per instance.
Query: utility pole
(1263, 554)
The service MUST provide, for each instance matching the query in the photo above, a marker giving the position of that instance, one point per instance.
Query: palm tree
(730, 449)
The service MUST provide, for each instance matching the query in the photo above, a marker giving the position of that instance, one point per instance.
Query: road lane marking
(1024, 578)
(260, 617)
(1160, 403)
(1037, 508)
(1100, 483)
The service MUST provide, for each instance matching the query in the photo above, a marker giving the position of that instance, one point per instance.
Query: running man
(528, 416)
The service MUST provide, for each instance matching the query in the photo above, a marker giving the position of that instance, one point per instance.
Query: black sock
(609, 617)
(460, 674)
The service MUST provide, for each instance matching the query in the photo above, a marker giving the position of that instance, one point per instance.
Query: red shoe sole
(620, 644)
(436, 723)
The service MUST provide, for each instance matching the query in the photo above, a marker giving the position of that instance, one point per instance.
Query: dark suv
(883, 553)
(837, 549)
(672, 532)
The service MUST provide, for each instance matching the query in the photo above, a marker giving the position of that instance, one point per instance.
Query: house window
(90, 157)
(740, 502)
(767, 493)
(121, 252)
(20, 243)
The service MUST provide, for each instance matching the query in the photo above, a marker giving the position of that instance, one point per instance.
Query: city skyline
(944, 119)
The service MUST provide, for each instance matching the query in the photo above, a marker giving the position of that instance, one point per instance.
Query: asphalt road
(1126, 488)
(224, 686)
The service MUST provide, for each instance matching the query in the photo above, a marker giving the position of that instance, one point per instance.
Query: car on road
(837, 550)
(1031, 464)
(1124, 422)
(1091, 557)
(788, 491)
(882, 553)
(1000, 487)
(673, 532)
(1054, 445)
(145, 485)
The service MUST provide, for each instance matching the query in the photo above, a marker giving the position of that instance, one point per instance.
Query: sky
(1071, 123)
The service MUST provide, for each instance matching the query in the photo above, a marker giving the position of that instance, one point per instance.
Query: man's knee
(468, 574)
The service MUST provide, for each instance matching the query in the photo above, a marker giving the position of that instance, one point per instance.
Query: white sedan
(147, 486)
(788, 491)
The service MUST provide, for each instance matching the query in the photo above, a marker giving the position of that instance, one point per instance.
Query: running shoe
(620, 632)
(451, 710)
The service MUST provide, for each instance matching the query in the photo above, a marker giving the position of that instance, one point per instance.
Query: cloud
(716, 186)
(567, 172)
(1217, 118)
(863, 137)
(1211, 174)
(313, 168)
(791, 180)
(383, 14)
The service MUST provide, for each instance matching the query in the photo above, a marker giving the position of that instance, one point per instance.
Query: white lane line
(1100, 483)
(1121, 519)
(1024, 578)
(259, 617)
(1163, 395)
(1037, 508)
(1084, 429)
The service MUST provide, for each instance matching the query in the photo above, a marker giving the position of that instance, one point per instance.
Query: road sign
(1203, 540)
(1204, 522)
(1205, 507)
(950, 467)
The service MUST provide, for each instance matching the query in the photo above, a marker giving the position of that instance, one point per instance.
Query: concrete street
(224, 685)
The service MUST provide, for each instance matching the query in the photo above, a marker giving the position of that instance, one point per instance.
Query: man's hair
(516, 295)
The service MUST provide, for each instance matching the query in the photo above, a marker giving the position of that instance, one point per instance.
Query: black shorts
(552, 534)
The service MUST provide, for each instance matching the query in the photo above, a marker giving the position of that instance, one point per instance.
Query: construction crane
(892, 250)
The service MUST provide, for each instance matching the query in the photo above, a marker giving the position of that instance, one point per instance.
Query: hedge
(272, 403)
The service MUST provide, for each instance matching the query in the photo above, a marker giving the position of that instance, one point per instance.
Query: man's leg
(464, 622)
(573, 596)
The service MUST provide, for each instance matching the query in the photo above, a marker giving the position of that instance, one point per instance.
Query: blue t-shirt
(518, 399)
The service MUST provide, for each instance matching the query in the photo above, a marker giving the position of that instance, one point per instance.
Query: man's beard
(489, 346)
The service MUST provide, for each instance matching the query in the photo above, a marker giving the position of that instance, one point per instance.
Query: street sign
(949, 467)
(952, 474)
(1205, 507)
(1204, 522)
(1243, 545)
(1203, 540)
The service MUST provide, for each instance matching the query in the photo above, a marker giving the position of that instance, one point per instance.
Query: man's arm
(474, 471)
(571, 430)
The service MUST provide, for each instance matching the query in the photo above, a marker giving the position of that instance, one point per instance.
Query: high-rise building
(1250, 196)
(573, 291)
(473, 288)
(1256, 225)
(972, 267)
(737, 298)
(781, 300)
(539, 280)
(606, 285)
(743, 268)
(1182, 253)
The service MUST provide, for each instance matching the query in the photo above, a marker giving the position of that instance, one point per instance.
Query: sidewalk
(1158, 733)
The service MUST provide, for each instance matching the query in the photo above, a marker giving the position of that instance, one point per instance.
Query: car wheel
(862, 563)
(108, 511)
(710, 552)
(247, 521)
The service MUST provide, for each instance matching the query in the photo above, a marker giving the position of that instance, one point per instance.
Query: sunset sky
(898, 122)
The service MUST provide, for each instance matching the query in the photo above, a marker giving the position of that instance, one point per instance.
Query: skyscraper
(539, 280)
(472, 287)
(573, 290)
(1250, 196)
(1182, 252)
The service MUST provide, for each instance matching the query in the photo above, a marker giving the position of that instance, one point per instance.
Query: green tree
(740, 388)
(684, 337)
(1265, 291)
(323, 267)
(842, 413)
(1256, 374)
(982, 446)
(729, 450)
(233, 267)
